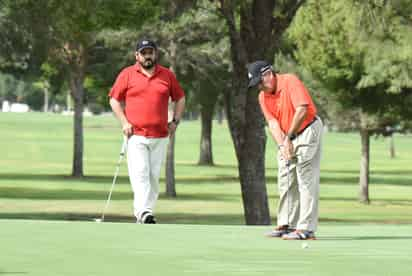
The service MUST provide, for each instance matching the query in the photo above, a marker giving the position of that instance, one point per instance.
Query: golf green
(89, 248)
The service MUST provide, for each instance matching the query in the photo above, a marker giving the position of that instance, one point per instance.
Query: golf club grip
(124, 146)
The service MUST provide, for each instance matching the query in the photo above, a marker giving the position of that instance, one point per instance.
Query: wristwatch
(176, 121)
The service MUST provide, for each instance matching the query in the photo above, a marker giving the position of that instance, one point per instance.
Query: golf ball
(305, 245)
(98, 220)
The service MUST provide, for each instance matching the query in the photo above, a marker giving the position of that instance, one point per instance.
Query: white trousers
(144, 159)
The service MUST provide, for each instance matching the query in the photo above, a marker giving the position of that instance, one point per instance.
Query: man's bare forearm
(298, 119)
(276, 132)
(117, 108)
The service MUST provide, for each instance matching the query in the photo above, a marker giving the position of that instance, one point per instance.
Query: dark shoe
(279, 231)
(300, 235)
(147, 218)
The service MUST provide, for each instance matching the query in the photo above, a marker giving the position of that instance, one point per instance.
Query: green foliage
(326, 39)
(361, 51)
(195, 43)
(14, 90)
(56, 32)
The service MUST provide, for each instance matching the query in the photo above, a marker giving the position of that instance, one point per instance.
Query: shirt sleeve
(176, 91)
(299, 95)
(266, 112)
(119, 87)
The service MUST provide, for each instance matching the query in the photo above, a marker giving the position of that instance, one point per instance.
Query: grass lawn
(46, 216)
(43, 248)
(35, 165)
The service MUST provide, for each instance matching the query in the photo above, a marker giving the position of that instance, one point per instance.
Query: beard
(148, 63)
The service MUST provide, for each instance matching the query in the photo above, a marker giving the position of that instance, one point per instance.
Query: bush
(96, 108)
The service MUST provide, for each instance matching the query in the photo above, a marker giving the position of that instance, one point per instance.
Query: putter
(122, 153)
(287, 191)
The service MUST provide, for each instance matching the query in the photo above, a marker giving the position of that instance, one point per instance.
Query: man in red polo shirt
(297, 130)
(139, 98)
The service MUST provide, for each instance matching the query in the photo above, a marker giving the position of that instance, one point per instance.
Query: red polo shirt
(147, 98)
(281, 105)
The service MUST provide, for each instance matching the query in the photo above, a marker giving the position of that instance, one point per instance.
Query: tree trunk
(251, 156)
(257, 37)
(206, 154)
(76, 60)
(170, 158)
(68, 101)
(46, 96)
(220, 114)
(364, 166)
(392, 146)
(77, 91)
(170, 168)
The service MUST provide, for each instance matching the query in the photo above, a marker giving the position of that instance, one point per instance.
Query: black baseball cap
(145, 43)
(256, 70)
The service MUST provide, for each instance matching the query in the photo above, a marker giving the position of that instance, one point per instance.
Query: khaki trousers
(144, 158)
(298, 207)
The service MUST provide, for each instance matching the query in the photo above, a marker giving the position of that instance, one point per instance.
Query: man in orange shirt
(297, 130)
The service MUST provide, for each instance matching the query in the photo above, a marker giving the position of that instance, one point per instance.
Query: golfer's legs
(308, 177)
(139, 171)
(308, 174)
(288, 200)
(157, 155)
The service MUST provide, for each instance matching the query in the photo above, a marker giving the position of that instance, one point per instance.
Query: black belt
(308, 125)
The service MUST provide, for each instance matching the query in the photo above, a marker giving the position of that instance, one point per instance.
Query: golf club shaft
(122, 153)
(287, 191)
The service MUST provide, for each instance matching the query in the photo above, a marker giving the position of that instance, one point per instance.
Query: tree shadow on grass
(373, 180)
(372, 172)
(66, 216)
(124, 193)
(182, 218)
(61, 194)
(162, 218)
(104, 179)
(64, 178)
(212, 179)
(73, 194)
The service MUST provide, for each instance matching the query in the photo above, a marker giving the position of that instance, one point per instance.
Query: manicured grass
(200, 231)
(41, 248)
(35, 165)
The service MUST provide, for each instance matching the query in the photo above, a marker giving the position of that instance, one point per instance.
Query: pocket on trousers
(308, 143)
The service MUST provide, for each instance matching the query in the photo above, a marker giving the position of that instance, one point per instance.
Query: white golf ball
(305, 245)
(98, 220)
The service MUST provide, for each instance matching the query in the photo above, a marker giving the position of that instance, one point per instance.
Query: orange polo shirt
(147, 98)
(281, 105)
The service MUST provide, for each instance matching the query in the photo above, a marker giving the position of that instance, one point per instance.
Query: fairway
(41, 248)
(35, 181)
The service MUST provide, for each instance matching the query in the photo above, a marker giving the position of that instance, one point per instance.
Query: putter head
(98, 220)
